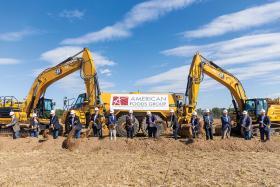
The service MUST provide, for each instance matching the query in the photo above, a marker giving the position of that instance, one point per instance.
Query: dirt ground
(139, 162)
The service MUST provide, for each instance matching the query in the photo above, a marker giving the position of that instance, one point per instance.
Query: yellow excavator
(35, 101)
(201, 66)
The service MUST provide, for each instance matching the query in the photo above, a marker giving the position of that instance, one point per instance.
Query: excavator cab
(254, 107)
(44, 107)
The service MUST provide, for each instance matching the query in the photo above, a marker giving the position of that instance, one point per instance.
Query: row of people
(73, 121)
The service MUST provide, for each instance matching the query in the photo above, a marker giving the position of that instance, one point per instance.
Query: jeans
(34, 133)
(209, 133)
(99, 133)
(247, 135)
(16, 134)
(130, 132)
(152, 132)
(265, 133)
(113, 134)
(175, 133)
(55, 133)
(78, 134)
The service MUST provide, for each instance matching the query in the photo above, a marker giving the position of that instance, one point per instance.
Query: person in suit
(264, 125)
(174, 124)
(246, 125)
(208, 124)
(195, 124)
(151, 124)
(74, 122)
(97, 123)
(226, 124)
(54, 124)
(112, 124)
(129, 125)
(15, 125)
(34, 126)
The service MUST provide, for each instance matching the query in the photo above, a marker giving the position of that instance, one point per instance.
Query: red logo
(120, 101)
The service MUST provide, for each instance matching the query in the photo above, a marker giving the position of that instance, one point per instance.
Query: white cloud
(242, 50)
(59, 54)
(16, 35)
(72, 14)
(106, 72)
(245, 19)
(139, 14)
(9, 61)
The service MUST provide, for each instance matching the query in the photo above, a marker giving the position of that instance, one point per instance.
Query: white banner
(139, 102)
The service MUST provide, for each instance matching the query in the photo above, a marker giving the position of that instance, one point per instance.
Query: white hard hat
(96, 109)
(72, 112)
(225, 111)
(130, 111)
(171, 110)
(12, 113)
(245, 112)
(148, 112)
(111, 111)
(52, 111)
(207, 110)
(34, 115)
(262, 110)
(194, 113)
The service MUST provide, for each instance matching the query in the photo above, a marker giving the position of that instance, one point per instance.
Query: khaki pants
(113, 134)
(226, 133)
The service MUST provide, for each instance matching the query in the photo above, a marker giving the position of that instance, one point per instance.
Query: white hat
(207, 110)
(194, 113)
(34, 115)
(130, 111)
(12, 113)
(111, 111)
(72, 112)
(225, 111)
(52, 111)
(148, 112)
(96, 109)
(262, 110)
(171, 110)
(245, 112)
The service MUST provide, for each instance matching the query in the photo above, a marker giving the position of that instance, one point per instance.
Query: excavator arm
(201, 66)
(49, 76)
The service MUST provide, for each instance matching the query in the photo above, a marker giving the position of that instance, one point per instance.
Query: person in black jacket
(74, 122)
(174, 124)
(97, 123)
(129, 125)
(246, 124)
(264, 125)
(54, 124)
(208, 124)
(151, 124)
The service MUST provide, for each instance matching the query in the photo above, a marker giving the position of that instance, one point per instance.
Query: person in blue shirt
(264, 125)
(195, 125)
(208, 124)
(112, 124)
(246, 125)
(226, 124)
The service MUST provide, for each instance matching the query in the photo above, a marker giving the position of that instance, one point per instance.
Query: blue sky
(142, 45)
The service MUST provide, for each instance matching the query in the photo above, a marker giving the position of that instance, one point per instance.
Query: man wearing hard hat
(226, 124)
(264, 125)
(54, 124)
(112, 124)
(74, 122)
(174, 124)
(208, 124)
(151, 124)
(15, 125)
(195, 125)
(34, 126)
(97, 123)
(129, 125)
(246, 125)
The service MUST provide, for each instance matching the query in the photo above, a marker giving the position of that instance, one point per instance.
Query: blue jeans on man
(78, 133)
(34, 133)
(55, 133)
(16, 134)
(265, 132)
(247, 135)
